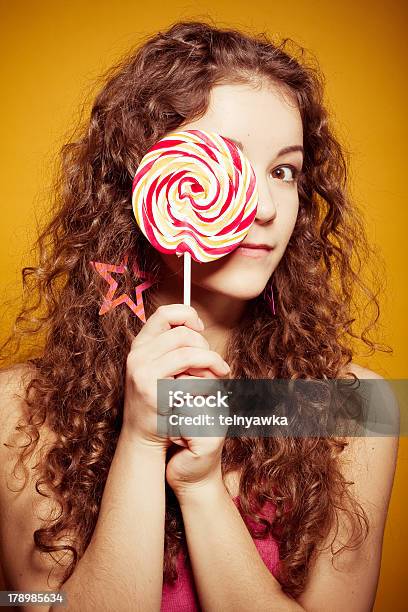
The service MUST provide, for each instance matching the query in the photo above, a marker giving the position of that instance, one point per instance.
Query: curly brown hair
(76, 382)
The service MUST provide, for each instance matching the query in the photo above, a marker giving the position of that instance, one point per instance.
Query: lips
(254, 251)
(266, 247)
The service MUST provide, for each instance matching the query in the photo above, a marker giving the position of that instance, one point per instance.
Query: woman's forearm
(122, 567)
(229, 573)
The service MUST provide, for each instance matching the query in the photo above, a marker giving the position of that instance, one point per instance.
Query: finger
(182, 359)
(197, 373)
(200, 373)
(179, 441)
(176, 338)
(164, 317)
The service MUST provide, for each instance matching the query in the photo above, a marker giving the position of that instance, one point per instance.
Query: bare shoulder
(368, 464)
(12, 381)
(14, 411)
(372, 448)
(360, 371)
(22, 508)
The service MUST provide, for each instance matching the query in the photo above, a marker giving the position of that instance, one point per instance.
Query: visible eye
(292, 175)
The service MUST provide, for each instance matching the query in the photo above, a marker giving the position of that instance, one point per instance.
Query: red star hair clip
(109, 303)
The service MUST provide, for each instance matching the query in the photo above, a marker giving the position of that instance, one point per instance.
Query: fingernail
(200, 323)
(227, 366)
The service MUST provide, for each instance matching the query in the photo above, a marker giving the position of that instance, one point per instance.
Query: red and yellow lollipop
(194, 193)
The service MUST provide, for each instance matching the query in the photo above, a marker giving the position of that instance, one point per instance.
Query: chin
(239, 291)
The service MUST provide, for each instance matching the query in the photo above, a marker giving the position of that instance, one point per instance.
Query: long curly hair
(76, 379)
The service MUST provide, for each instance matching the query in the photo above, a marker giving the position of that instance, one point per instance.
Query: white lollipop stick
(187, 278)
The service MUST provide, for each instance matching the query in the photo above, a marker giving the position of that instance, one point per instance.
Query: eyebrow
(290, 149)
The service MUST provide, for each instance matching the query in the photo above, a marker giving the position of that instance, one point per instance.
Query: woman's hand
(162, 351)
(198, 462)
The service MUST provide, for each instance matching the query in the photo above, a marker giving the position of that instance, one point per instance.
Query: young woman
(117, 516)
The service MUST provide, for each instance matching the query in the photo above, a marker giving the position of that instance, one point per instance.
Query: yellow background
(52, 53)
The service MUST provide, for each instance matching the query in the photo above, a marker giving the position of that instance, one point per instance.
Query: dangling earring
(268, 296)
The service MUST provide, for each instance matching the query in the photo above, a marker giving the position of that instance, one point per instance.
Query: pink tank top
(182, 595)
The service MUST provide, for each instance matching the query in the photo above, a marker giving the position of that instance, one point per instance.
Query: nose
(266, 209)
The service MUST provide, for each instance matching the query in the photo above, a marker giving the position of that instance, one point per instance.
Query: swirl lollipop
(194, 193)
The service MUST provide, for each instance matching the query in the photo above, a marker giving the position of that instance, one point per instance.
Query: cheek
(288, 218)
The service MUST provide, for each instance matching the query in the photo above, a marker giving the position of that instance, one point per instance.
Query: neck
(220, 313)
